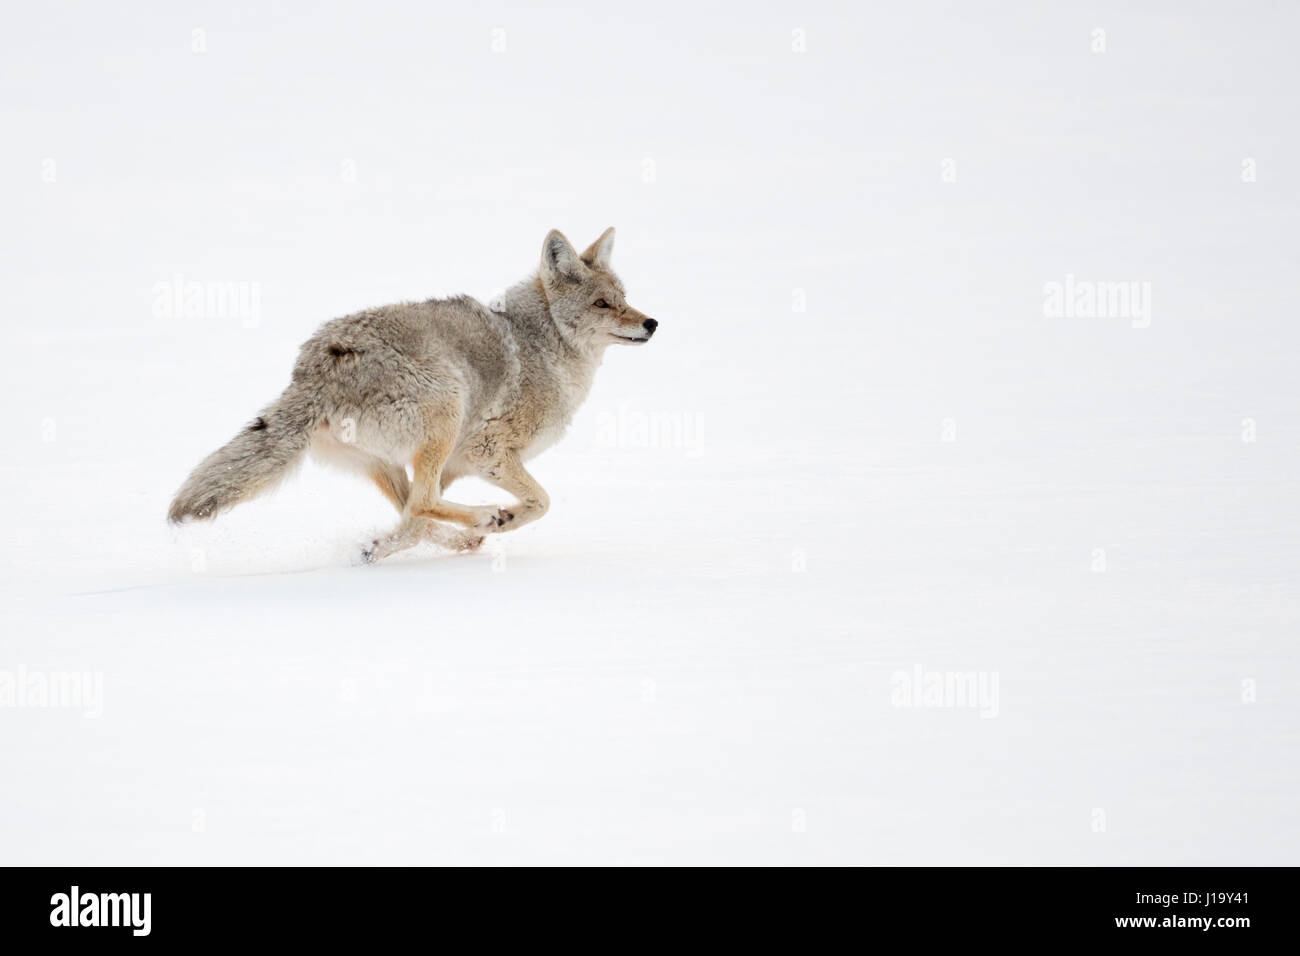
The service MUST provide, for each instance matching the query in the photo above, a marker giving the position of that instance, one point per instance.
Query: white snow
(857, 448)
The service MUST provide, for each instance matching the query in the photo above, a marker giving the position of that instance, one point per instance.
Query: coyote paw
(380, 548)
(495, 520)
(465, 542)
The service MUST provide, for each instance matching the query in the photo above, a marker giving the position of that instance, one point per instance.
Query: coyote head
(587, 301)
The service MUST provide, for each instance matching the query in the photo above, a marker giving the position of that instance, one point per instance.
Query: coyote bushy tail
(252, 462)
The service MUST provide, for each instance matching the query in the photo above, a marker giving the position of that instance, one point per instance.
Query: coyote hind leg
(392, 481)
(414, 530)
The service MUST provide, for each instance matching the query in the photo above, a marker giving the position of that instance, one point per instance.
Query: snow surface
(857, 447)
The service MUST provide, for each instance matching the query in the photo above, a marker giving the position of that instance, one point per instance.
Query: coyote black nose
(650, 325)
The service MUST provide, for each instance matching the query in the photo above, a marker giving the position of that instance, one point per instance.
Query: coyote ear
(598, 253)
(559, 259)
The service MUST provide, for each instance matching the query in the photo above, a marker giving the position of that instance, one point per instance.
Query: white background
(692, 658)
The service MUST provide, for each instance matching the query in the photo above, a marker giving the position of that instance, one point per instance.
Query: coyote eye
(601, 304)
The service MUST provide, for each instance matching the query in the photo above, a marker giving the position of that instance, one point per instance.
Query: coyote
(448, 386)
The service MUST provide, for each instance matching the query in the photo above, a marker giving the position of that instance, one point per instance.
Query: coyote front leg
(426, 501)
(422, 505)
(508, 472)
